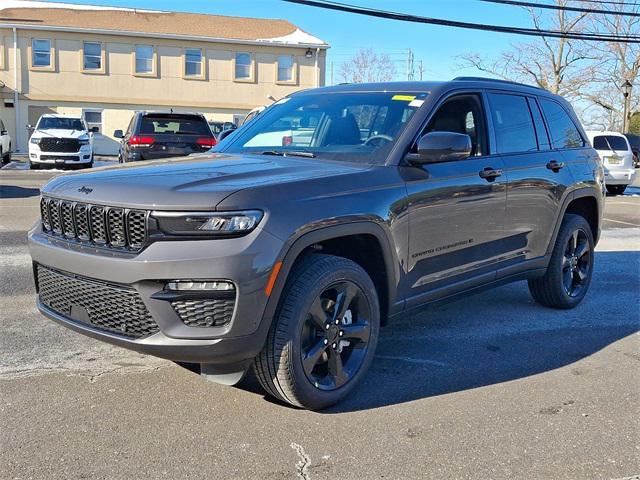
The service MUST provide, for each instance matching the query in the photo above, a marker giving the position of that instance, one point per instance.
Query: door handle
(555, 166)
(490, 174)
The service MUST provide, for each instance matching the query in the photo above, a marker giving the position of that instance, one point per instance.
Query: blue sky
(436, 46)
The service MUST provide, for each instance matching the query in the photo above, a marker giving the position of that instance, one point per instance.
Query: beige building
(104, 63)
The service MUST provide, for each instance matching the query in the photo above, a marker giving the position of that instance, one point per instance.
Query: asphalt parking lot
(492, 386)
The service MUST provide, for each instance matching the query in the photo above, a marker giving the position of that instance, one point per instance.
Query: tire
(33, 166)
(570, 269)
(616, 189)
(6, 156)
(317, 284)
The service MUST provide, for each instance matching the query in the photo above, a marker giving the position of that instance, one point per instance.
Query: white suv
(5, 144)
(617, 158)
(60, 141)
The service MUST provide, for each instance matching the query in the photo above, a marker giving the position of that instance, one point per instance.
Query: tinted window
(174, 125)
(563, 131)
(541, 131)
(513, 124)
(609, 142)
(461, 114)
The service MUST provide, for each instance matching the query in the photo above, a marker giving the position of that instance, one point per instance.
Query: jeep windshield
(353, 127)
(58, 123)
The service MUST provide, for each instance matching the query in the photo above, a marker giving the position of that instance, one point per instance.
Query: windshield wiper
(289, 153)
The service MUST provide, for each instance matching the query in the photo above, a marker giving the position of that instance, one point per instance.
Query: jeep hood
(196, 183)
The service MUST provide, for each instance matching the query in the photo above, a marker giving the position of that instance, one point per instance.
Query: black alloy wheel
(335, 335)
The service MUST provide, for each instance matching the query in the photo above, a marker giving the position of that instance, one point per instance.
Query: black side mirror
(94, 129)
(225, 133)
(437, 147)
(118, 134)
(3, 132)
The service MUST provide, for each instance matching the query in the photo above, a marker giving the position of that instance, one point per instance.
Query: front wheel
(616, 189)
(33, 166)
(324, 335)
(568, 275)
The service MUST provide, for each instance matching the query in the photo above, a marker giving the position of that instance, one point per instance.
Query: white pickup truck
(60, 141)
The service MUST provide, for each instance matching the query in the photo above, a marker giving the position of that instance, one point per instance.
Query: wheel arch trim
(294, 247)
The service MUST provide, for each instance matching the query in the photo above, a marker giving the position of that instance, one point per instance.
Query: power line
(519, 3)
(534, 32)
(611, 2)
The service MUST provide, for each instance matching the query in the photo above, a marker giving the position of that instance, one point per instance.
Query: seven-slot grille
(62, 145)
(114, 308)
(112, 227)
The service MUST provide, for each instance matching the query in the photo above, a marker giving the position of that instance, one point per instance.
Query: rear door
(456, 208)
(538, 175)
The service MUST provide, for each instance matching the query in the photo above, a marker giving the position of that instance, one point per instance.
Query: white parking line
(620, 221)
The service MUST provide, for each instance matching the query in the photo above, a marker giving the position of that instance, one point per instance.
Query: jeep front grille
(117, 228)
(113, 308)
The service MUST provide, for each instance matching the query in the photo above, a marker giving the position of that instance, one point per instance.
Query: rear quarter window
(564, 133)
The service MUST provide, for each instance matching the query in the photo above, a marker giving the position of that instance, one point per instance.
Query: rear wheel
(324, 336)
(616, 189)
(570, 269)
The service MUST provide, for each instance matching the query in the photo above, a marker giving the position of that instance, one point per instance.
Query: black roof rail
(497, 80)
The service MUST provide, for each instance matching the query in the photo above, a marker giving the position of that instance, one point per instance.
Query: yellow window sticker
(404, 98)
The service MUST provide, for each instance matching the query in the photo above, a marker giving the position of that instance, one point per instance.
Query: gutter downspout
(16, 97)
(317, 69)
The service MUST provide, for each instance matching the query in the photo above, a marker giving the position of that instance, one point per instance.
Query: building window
(40, 53)
(92, 56)
(243, 66)
(144, 59)
(193, 62)
(93, 118)
(285, 68)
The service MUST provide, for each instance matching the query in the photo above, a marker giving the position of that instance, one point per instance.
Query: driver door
(456, 209)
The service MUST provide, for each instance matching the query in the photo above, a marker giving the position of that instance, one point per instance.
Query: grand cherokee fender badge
(86, 190)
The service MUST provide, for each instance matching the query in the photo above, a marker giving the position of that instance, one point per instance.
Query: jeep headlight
(83, 141)
(205, 224)
(35, 141)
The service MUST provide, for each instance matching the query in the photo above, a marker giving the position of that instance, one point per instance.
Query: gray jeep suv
(288, 246)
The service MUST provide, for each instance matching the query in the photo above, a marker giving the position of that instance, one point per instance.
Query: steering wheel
(378, 137)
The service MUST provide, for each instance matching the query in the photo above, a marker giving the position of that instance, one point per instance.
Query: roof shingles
(162, 23)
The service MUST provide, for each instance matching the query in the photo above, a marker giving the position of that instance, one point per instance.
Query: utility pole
(332, 73)
(421, 69)
(410, 69)
(626, 91)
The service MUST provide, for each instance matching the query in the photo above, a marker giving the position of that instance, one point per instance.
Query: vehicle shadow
(12, 191)
(494, 337)
(498, 336)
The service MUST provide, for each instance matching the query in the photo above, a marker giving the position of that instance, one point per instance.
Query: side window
(541, 130)
(512, 123)
(462, 114)
(563, 131)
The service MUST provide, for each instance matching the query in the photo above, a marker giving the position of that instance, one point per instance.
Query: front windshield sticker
(406, 98)
(416, 103)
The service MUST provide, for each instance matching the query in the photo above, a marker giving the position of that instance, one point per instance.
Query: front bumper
(237, 260)
(81, 157)
(619, 176)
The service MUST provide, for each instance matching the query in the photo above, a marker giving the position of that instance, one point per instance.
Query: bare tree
(559, 65)
(617, 62)
(368, 66)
